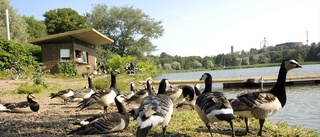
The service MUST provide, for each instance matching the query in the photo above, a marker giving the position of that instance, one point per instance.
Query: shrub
(11, 51)
(26, 89)
(67, 68)
(147, 69)
(118, 62)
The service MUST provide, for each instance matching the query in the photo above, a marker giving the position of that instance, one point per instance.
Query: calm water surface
(303, 101)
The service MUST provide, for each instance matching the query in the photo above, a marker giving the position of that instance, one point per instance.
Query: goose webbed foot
(164, 130)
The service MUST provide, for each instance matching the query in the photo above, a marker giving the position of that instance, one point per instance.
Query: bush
(67, 68)
(147, 69)
(26, 89)
(118, 62)
(11, 51)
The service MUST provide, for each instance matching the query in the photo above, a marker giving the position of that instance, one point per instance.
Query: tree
(36, 28)
(176, 65)
(131, 29)
(196, 64)
(18, 27)
(63, 20)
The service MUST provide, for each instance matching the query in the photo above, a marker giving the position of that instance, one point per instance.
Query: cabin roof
(88, 35)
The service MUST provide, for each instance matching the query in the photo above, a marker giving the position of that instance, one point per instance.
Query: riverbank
(55, 119)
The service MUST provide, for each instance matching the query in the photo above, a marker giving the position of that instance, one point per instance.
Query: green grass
(187, 122)
(27, 88)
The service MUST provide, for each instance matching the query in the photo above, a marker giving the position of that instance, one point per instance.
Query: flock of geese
(157, 106)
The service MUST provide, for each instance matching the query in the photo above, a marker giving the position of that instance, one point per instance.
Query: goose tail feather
(143, 132)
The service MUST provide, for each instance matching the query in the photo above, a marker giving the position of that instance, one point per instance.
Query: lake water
(303, 101)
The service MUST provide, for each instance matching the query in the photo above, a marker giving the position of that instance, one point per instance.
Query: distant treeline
(271, 54)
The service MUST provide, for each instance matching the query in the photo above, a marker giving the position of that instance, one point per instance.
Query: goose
(109, 122)
(154, 110)
(140, 94)
(2, 107)
(262, 104)
(129, 94)
(84, 93)
(179, 93)
(192, 103)
(24, 106)
(213, 106)
(63, 94)
(104, 97)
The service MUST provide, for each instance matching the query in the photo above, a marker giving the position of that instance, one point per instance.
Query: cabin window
(85, 57)
(64, 54)
(81, 56)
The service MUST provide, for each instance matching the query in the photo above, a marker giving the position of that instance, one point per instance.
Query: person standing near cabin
(102, 66)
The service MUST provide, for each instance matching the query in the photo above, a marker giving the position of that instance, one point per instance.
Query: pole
(7, 20)
(307, 37)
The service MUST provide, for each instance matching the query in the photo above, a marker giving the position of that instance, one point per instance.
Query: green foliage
(38, 76)
(131, 29)
(67, 68)
(167, 66)
(196, 64)
(26, 89)
(176, 65)
(18, 27)
(63, 20)
(11, 51)
(147, 68)
(118, 62)
(242, 59)
(101, 83)
(36, 28)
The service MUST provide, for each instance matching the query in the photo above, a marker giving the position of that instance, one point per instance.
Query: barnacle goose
(263, 104)
(84, 93)
(63, 94)
(154, 110)
(213, 106)
(180, 92)
(128, 94)
(24, 106)
(104, 97)
(191, 103)
(140, 94)
(109, 122)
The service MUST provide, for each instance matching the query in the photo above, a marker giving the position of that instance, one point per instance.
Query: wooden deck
(253, 81)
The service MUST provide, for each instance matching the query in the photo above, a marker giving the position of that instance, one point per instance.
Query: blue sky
(209, 27)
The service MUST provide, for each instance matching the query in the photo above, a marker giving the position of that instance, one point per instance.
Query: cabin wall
(50, 54)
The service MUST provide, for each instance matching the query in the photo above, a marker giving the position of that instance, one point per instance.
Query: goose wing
(110, 122)
(212, 101)
(155, 105)
(94, 98)
(80, 93)
(251, 100)
(153, 110)
(63, 93)
(24, 104)
(139, 94)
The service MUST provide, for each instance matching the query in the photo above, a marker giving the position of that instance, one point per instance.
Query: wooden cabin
(78, 46)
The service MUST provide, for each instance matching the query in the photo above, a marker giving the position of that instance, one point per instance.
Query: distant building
(291, 44)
